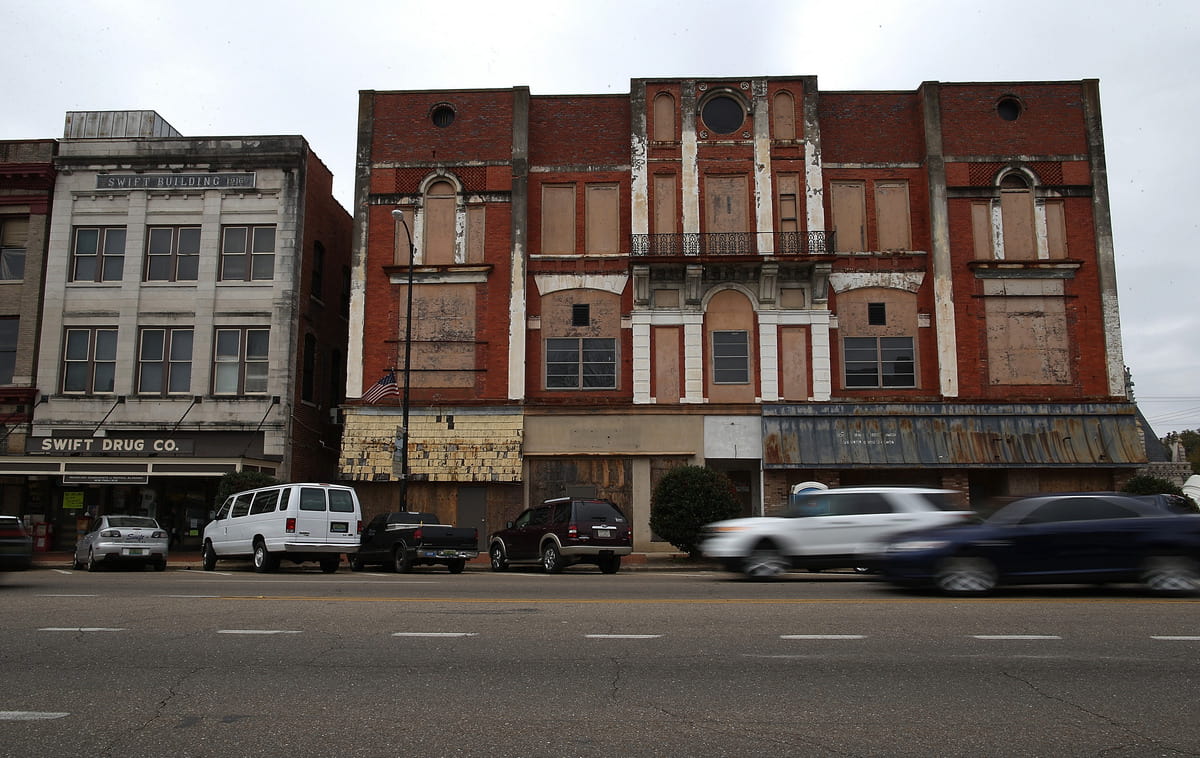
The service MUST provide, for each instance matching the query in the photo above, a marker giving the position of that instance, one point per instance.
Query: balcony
(785, 244)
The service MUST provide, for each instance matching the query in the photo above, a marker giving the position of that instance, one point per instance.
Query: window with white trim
(247, 253)
(581, 363)
(164, 361)
(172, 253)
(879, 362)
(98, 254)
(89, 361)
(731, 357)
(240, 358)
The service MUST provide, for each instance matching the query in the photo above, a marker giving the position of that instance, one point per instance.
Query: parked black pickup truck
(406, 539)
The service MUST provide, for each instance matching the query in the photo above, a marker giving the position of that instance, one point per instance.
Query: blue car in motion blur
(1078, 538)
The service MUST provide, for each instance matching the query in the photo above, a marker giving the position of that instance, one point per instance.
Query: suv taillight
(417, 534)
(289, 526)
(572, 531)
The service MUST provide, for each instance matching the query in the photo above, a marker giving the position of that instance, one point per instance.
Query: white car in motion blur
(122, 539)
(833, 528)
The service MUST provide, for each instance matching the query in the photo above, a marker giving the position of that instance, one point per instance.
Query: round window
(1009, 108)
(442, 116)
(723, 114)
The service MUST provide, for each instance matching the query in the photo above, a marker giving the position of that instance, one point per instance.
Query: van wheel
(400, 558)
(209, 557)
(264, 562)
(330, 564)
(552, 559)
(499, 559)
(456, 566)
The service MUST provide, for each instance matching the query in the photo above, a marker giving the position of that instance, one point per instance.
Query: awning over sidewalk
(952, 435)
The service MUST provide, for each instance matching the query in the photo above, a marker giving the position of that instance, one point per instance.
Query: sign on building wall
(109, 446)
(238, 180)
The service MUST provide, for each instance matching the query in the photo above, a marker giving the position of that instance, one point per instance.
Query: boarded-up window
(849, 216)
(1027, 338)
(793, 363)
(475, 218)
(1016, 210)
(1056, 229)
(891, 213)
(558, 219)
(789, 204)
(440, 205)
(981, 230)
(666, 364)
(664, 117)
(726, 204)
(603, 219)
(784, 111)
(665, 216)
(443, 335)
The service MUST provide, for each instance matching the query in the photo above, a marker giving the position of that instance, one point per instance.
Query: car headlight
(912, 545)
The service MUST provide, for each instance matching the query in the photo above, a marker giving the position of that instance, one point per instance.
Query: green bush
(686, 499)
(1144, 484)
(237, 481)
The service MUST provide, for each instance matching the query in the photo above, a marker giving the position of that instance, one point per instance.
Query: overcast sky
(257, 67)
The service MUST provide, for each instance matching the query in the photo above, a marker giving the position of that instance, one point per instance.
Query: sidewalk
(190, 559)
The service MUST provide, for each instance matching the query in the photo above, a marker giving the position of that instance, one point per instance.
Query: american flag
(385, 387)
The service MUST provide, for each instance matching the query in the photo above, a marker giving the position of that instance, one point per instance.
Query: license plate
(339, 527)
(134, 551)
(605, 533)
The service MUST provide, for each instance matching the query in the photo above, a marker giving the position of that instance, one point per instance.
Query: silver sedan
(122, 539)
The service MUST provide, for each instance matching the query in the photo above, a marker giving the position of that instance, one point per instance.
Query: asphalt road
(231, 663)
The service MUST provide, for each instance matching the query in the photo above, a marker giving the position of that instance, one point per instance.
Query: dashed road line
(81, 629)
(1174, 638)
(623, 636)
(258, 631)
(65, 595)
(1016, 636)
(822, 636)
(435, 634)
(30, 715)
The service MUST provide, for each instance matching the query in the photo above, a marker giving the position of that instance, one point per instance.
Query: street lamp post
(398, 215)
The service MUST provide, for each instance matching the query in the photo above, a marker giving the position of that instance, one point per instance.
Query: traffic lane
(560, 694)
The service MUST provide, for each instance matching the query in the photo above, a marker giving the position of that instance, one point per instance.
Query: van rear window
(312, 499)
(340, 501)
(264, 502)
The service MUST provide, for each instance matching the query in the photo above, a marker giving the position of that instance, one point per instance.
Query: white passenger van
(296, 522)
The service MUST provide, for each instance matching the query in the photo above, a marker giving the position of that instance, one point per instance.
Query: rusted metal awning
(952, 435)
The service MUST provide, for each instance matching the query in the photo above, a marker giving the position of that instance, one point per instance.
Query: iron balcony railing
(734, 243)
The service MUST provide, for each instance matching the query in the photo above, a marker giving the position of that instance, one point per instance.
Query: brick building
(193, 322)
(785, 284)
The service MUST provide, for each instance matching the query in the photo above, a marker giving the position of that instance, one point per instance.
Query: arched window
(664, 117)
(1016, 210)
(729, 337)
(784, 115)
(441, 204)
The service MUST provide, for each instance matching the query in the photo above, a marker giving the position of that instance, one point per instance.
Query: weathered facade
(781, 283)
(196, 297)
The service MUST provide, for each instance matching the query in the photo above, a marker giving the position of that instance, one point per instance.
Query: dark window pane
(87, 241)
(235, 240)
(114, 241)
(189, 268)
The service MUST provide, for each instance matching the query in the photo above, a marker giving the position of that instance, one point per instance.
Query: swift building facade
(196, 295)
(785, 284)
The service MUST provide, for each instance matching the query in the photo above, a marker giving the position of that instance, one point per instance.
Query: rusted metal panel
(951, 435)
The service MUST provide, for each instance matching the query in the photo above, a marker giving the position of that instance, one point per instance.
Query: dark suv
(563, 531)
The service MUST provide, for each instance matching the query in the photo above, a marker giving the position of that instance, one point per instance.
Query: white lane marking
(64, 595)
(622, 636)
(63, 571)
(822, 636)
(81, 629)
(257, 631)
(435, 634)
(1016, 636)
(30, 715)
(1188, 638)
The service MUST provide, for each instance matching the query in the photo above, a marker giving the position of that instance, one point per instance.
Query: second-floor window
(731, 357)
(98, 254)
(247, 253)
(172, 253)
(581, 363)
(14, 233)
(240, 361)
(165, 362)
(879, 362)
(89, 360)
(8, 348)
